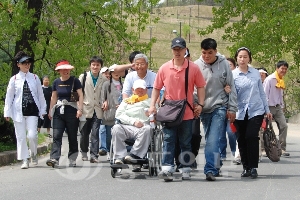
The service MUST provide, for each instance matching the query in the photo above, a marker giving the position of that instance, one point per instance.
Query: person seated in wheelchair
(134, 124)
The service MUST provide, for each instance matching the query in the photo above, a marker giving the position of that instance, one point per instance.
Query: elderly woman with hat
(65, 113)
(24, 104)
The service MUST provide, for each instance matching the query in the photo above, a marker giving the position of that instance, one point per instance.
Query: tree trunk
(29, 36)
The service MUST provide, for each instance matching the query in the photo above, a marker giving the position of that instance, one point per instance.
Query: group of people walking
(220, 94)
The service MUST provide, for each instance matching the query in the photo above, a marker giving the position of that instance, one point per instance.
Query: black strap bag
(171, 112)
(74, 95)
(271, 143)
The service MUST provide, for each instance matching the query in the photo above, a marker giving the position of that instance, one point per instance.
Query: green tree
(75, 30)
(269, 28)
(186, 29)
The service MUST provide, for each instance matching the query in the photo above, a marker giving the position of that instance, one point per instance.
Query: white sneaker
(25, 164)
(34, 159)
(186, 176)
(72, 163)
(166, 175)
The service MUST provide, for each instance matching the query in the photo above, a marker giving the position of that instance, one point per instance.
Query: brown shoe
(102, 152)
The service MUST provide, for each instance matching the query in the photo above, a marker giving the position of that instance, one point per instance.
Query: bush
(7, 130)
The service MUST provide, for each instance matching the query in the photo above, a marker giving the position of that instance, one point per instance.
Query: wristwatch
(200, 105)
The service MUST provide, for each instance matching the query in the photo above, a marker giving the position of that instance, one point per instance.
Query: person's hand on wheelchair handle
(152, 110)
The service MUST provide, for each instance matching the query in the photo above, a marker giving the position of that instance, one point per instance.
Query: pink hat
(63, 65)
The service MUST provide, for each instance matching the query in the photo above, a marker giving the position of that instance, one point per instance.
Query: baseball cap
(139, 84)
(178, 42)
(112, 68)
(103, 69)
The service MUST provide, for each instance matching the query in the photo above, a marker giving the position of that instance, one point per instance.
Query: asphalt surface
(93, 181)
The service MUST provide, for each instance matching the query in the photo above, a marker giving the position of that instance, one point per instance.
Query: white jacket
(14, 94)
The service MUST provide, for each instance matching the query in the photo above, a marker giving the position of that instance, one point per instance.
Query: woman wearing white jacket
(24, 103)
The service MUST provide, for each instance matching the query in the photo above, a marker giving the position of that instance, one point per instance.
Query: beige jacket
(91, 97)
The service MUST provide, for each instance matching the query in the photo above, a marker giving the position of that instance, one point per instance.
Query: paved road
(93, 181)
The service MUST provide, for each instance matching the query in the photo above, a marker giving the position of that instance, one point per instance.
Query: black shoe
(218, 174)
(177, 169)
(194, 165)
(253, 173)
(210, 177)
(136, 168)
(246, 173)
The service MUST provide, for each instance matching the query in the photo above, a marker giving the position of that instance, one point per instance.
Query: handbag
(271, 143)
(171, 112)
(74, 95)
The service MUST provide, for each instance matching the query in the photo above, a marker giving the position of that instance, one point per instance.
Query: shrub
(7, 130)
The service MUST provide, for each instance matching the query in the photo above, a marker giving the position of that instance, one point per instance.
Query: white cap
(103, 69)
(112, 68)
(139, 84)
(263, 71)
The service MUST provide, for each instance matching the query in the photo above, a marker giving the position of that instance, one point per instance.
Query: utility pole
(198, 14)
(190, 24)
(150, 58)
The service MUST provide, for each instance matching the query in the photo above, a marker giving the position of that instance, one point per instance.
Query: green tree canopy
(75, 30)
(270, 29)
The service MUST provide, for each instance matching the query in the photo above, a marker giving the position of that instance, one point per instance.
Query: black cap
(25, 58)
(178, 42)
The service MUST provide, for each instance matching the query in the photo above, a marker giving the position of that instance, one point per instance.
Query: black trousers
(248, 140)
(61, 122)
(195, 142)
(92, 126)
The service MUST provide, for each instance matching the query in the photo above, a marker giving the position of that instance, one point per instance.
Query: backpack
(271, 143)
(83, 81)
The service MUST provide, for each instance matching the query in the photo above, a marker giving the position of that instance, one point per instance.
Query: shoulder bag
(74, 95)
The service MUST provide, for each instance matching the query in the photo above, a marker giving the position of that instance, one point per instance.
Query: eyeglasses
(140, 64)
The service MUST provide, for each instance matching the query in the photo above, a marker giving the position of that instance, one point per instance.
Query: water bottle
(233, 128)
(152, 124)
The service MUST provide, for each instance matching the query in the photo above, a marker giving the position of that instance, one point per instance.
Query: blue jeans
(223, 140)
(213, 123)
(105, 137)
(102, 136)
(184, 134)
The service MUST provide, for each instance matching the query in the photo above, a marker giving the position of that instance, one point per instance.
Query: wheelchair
(153, 157)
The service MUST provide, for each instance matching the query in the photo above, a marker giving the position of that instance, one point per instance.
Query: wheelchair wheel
(151, 163)
(158, 151)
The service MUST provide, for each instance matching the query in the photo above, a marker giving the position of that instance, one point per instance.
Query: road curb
(8, 157)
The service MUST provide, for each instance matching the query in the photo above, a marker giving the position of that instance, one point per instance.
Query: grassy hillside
(170, 19)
